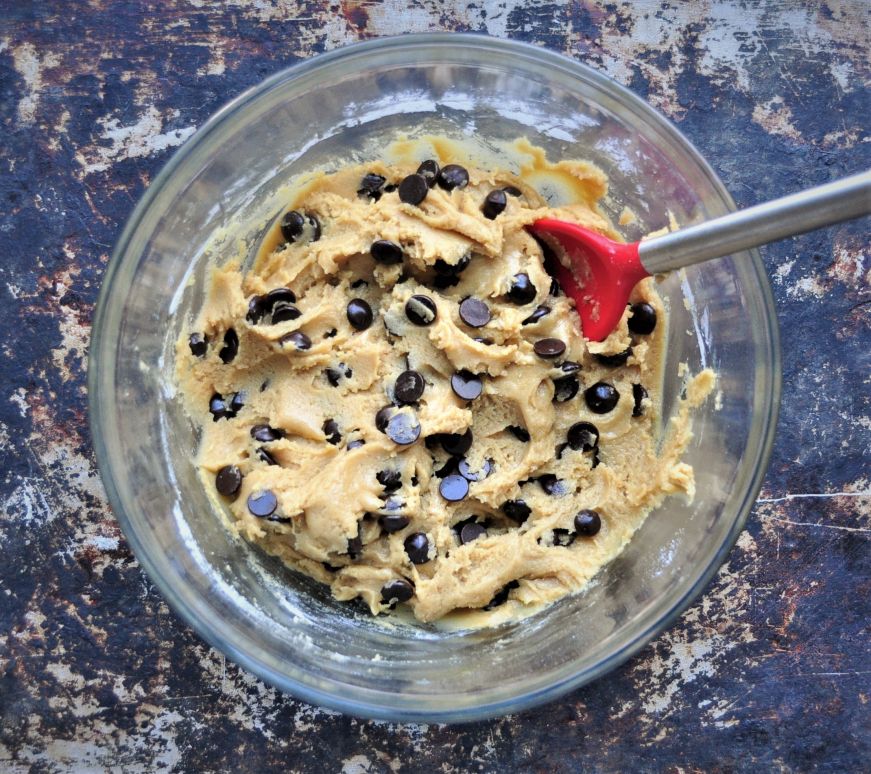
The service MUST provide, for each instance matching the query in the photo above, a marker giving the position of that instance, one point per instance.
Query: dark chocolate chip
(421, 310)
(481, 340)
(516, 510)
(552, 485)
(474, 312)
(231, 346)
(448, 469)
(453, 176)
(298, 339)
(501, 596)
(457, 443)
(413, 189)
(539, 313)
(331, 431)
(587, 523)
(335, 374)
(279, 294)
(391, 480)
(474, 475)
(512, 190)
(467, 385)
(355, 547)
(355, 444)
(393, 522)
(409, 387)
(316, 228)
(292, 225)
(563, 537)
(555, 288)
(549, 347)
(228, 480)
(643, 319)
(284, 311)
(237, 403)
(565, 388)
(638, 395)
(570, 367)
(614, 360)
(522, 290)
(472, 531)
(256, 309)
(417, 548)
(583, 436)
(520, 433)
(559, 449)
(453, 488)
(359, 314)
(359, 283)
(403, 428)
(218, 407)
(198, 343)
(494, 204)
(262, 504)
(371, 185)
(386, 252)
(382, 417)
(430, 170)
(396, 591)
(331, 333)
(392, 504)
(265, 456)
(601, 397)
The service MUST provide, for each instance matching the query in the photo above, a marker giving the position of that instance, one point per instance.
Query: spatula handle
(804, 211)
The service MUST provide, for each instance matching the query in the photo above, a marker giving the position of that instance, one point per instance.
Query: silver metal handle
(791, 215)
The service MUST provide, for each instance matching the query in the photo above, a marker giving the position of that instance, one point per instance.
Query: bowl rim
(208, 630)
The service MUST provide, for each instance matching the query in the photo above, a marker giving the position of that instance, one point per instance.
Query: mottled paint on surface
(769, 670)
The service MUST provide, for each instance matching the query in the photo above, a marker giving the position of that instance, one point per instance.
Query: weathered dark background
(768, 670)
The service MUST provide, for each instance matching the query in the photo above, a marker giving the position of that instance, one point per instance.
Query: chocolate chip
(392, 504)
(228, 480)
(614, 360)
(284, 311)
(457, 443)
(421, 310)
(409, 387)
(539, 313)
(396, 591)
(256, 309)
(218, 407)
(262, 504)
(474, 475)
(565, 388)
(279, 294)
(316, 227)
(484, 341)
(520, 433)
(494, 204)
(569, 367)
(292, 225)
(359, 314)
(549, 347)
(430, 170)
(382, 417)
(265, 456)
(231, 346)
(552, 485)
(448, 469)
(643, 319)
(555, 288)
(298, 339)
(355, 547)
(237, 402)
(371, 185)
(466, 385)
(391, 480)
(393, 522)
(413, 189)
(445, 269)
(386, 252)
(474, 312)
(501, 596)
(601, 397)
(265, 433)
(331, 431)
(512, 190)
(453, 176)
(355, 444)
(638, 395)
(522, 290)
(453, 488)
(198, 343)
(587, 523)
(359, 283)
(583, 436)
(470, 531)
(331, 333)
(516, 510)
(403, 428)
(335, 374)
(417, 548)
(563, 537)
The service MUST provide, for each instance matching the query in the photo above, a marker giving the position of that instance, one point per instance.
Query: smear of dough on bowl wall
(397, 399)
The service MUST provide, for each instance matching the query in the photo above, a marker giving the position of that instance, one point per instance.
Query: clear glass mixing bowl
(342, 107)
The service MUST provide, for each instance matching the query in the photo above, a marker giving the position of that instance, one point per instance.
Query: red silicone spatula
(599, 274)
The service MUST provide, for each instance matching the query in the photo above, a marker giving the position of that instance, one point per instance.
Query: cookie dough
(397, 399)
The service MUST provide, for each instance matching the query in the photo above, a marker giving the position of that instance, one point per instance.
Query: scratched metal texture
(769, 670)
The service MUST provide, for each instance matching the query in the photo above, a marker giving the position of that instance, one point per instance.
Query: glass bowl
(344, 107)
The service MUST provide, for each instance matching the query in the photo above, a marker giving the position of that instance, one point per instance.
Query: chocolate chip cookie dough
(398, 400)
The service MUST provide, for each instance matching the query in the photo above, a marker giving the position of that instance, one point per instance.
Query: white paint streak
(29, 66)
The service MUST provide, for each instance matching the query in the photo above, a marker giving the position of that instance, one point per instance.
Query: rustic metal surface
(769, 669)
